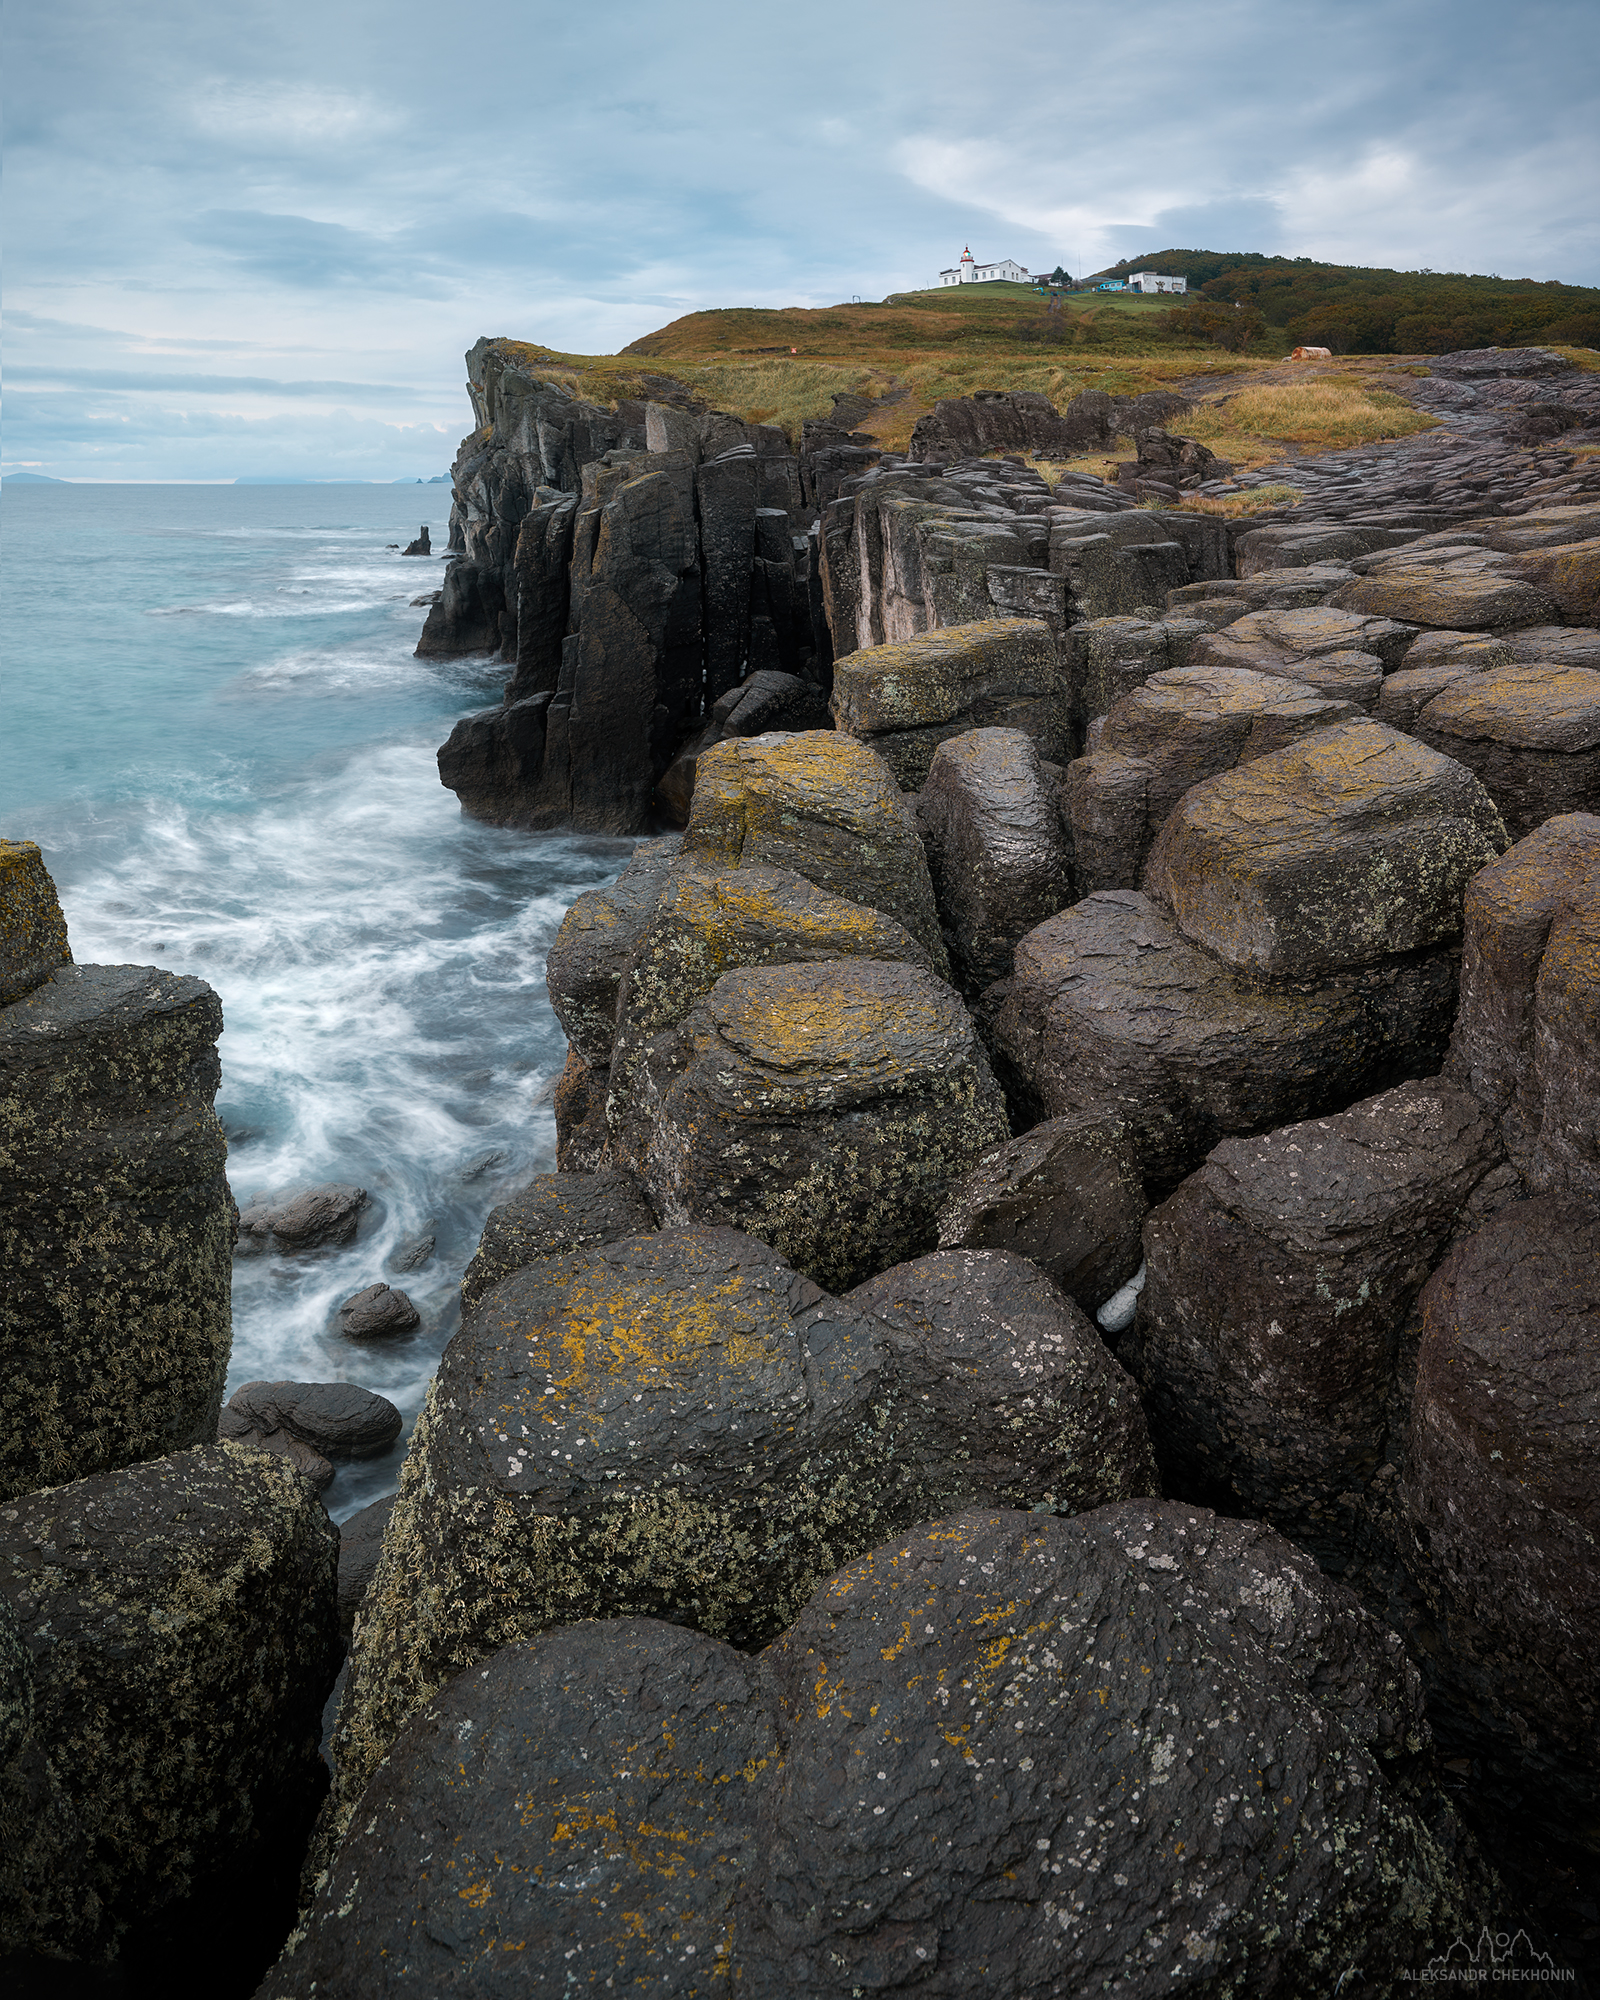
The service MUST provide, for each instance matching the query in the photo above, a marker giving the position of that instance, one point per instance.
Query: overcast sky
(257, 239)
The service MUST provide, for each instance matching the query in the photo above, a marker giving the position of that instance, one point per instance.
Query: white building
(967, 272)
(1155, 281)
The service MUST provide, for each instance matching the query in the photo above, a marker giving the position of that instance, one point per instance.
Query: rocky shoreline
(1043, 1436)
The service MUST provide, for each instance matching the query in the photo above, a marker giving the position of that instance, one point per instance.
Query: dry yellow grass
(1326, 413)
(1234, 505)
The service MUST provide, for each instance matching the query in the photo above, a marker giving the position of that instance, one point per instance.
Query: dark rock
(765, 701)
(1499, 1499)
(1350, 846)
(421, 546)
(725, 496)
(360, 1542)
(1530, 734)
(180, 1621)
(823, 806)
(336, 1419)
(413, 1255)
(553, 1215)
(833, 1817)
(1013, 1381)
(539, 573)
(703, 926)
(377, 1313)
(1526, 1040)
(1278, 1279)
(1066, 1196)
(823, 1108)
(116, 1224)
(466, 618)
(1477, 364)
(1022, 420)
(585, 969)
(996, 848)
(1311, 645)
(33, 932)
(583, 1136)
(1114, 575)
(493, 762)
(904, 699)
(1164, 737)
(301, 1219)
(1477, 591)
(1109, 657)
(1112, 1012)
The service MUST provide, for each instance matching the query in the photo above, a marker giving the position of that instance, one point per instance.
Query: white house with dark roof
(969, 272)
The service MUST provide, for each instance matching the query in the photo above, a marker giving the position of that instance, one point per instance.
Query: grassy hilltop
(781, 366)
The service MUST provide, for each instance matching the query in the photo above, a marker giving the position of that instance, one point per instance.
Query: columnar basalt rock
(904, 700)
(825, 1108)
(954, 1709)
(1165, 736)
(1527, 1038)
(1109, 657)
(1531, 735)
(998, 850)
(180, 1621)
(33, 931)
(682, 1426)
(589, 959)
(1279, 1276)
(554, 1214)
(117, 1221)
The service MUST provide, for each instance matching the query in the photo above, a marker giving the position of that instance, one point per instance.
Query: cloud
(172, 383)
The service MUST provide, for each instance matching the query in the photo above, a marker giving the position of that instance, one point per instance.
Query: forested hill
(1358, 311)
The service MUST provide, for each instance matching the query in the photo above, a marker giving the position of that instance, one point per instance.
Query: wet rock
(763, 702)
(583, 1136)
(1340, 653)
(378, 1313)
(702, 927)
(1527, 1040)
(33, 932)
(613, 1832)
(1278, 1278)
(1321, 545)
(552, 1215)
(824, 1108)
(116, 1224)
(1000, 861)
(1351, 846)
(300, 1219)
(1108, 657)
(1016, 420)
(677, 1425)
(1476, 591)
(330, 1419)
(904, 699)
(1567, 645)
(1066, 1196)
(360, 1541)
(1014, 1384)
(1479, 364)
(1165, 737)
(180, 1621)
(1112, 1012)
(421, 546)
(1530, 734)
(1499, 1500)
(466, 618)
(585, 968)
(413, 1255)
(823, 806)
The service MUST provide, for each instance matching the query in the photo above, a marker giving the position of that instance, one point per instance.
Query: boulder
(300, 1219)
(824, 1108)
(1527, 1038)
(1499, 1499)
(904, 699)
(1013, 1381)
(1473, 591)
(996, 846)
(833, 1816)
(680, 1425)
(1567, 645)
(585, 968)
(1108, 657)
(1126, 573)
(1531, 735)
(378, 1313)
(1321, 545)
(180, 1621)
(823, 806)
(703, 926)
(1340, 653)
(763, 702)
(1020, 420)
(1350, 846)
(116, 1224)
(330, 1419)
(1164, 737)
(360, 1542)
(33, 932)
(1481, 364)
(1112, 1012)
(1278, 1277)
(553, 1214)
(1066, 1196)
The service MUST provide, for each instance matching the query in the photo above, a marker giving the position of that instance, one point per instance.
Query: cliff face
(631, 566)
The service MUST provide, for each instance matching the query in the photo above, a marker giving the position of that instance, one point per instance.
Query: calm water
(214, 727)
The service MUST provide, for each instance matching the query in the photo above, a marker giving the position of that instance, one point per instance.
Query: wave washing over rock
(1040, 1437)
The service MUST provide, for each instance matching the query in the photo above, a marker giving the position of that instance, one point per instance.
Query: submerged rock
(301, 1219)
(378, 1313)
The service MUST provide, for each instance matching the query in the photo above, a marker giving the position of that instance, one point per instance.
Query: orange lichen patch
(648, 1335)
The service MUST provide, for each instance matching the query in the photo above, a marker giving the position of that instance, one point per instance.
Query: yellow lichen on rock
(33, 930)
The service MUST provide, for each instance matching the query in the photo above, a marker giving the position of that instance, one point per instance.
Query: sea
(213, 723)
